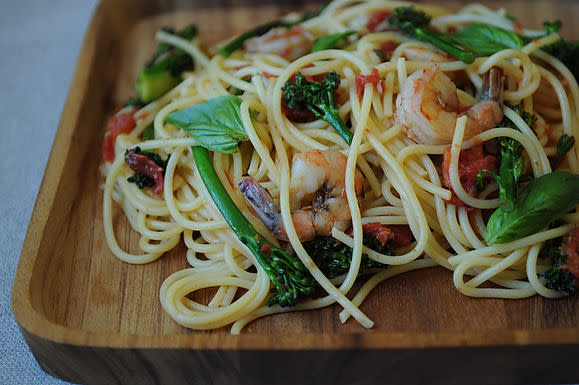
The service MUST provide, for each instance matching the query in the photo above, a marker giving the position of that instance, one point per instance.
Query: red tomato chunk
(119, 124)
(378, 21)
(373, 78)
(470, 163)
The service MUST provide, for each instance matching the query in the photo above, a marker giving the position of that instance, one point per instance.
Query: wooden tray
(90, 318)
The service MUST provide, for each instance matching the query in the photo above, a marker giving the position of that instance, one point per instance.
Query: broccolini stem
(333, 117)
(289, 276)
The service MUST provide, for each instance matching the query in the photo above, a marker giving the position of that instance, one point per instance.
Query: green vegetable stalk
(416, 24)
(331, 41)
(216, 124)
(290, 278)
(163, 71)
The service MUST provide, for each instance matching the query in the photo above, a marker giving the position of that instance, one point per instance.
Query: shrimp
(422, 54)
(428, 106)
(543, 130)
(317, 195)
(290, 43)
(546, 96)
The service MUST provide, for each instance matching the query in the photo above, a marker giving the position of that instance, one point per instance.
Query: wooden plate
(90, 318)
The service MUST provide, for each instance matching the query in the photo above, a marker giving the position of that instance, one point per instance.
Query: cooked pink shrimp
(545, 95)
(422, 54)
(427, 106)
(543, 129)
(317, 191)
(290, 43)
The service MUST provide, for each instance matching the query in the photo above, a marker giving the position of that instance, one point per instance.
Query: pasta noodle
(402, 177)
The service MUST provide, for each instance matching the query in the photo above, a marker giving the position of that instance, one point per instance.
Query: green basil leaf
(149, 132)
(215, 124)
(542, 201)
(331, 41)
(485, 40)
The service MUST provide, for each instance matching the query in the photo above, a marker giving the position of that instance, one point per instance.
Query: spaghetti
(403, 185)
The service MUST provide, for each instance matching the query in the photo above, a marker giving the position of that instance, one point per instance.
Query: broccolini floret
(317, 97)
(557, 277)
(333, 258)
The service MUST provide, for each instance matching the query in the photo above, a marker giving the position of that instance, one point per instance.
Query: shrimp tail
(489, 111)
(262, 203)
(493, 85)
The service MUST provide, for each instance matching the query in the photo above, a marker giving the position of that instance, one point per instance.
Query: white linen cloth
(39, 43)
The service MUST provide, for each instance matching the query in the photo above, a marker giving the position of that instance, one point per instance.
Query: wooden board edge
(25, 313)
(36, 328)
(485, 365)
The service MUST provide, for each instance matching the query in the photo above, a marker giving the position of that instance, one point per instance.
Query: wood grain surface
(91, 318)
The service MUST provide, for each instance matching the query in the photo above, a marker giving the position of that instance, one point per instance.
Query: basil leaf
(542, 201)
(331, 41)
(149, 132)
(485, 40)
(215, 124)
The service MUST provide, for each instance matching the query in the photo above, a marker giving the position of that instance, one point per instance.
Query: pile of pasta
(402, 178)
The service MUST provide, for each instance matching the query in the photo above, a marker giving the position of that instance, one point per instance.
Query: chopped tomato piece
(388, 45)
(377, 21)
(109, 148)
(401, 235)
(569, 249)
(140, 163)
(297, 116)
(397, 235)
(266, 249)
(373, 78)
(470, 163)
(381, 232)
(122, 123)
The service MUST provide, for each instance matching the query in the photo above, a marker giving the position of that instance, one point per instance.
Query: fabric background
(39, 44)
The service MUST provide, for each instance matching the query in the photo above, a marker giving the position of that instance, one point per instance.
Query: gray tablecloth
(39, 45)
